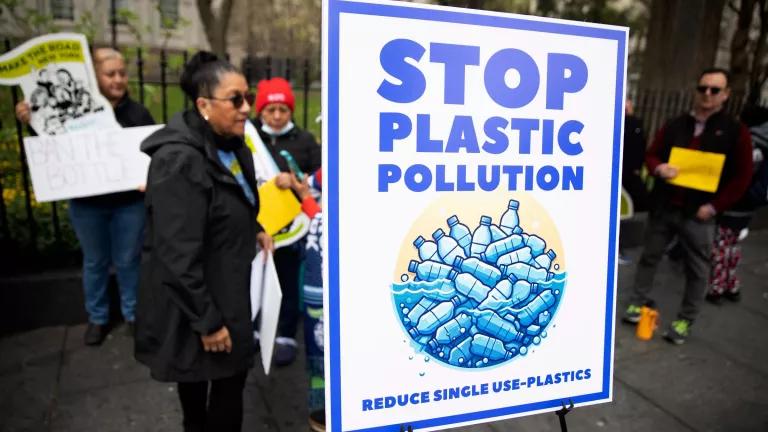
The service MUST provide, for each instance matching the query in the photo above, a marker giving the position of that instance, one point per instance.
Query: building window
(169, 13)
(122, 7)
(62, 9)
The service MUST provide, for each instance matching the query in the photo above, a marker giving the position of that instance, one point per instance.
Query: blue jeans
(109, 235)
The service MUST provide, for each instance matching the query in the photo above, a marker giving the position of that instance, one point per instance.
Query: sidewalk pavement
(718, 381)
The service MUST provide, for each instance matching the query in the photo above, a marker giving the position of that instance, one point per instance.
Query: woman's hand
(283, 180)
(300, 187)
(22, 112)
(265, 241)
(218, 341)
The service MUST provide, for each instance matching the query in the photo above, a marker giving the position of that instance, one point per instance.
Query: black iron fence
(38, 235)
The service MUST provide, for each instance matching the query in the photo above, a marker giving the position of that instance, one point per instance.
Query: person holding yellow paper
(274, 107)
(686, 212)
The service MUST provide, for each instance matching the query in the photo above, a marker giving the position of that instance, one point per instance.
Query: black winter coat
(196, 261)
(298, 142)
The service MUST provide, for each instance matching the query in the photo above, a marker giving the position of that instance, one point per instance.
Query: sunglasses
(712, 90)
(238, 99)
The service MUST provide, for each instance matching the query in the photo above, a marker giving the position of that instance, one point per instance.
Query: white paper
(56, 74)
(266, 296)
(87, 163)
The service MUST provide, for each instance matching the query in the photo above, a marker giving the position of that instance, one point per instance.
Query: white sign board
(56, 74)
(471, 192)
(88, 163)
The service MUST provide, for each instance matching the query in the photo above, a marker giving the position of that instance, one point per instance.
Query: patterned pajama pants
(726, 255)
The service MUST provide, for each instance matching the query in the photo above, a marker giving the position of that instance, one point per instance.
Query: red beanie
(275, 90)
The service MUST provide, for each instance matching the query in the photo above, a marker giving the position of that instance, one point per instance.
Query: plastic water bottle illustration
(522, 255)
(460, 232)
(481, 238)
(537, 244)
(545, 260)
(480, 296)
(521, 290)
(497, 233)
(489, 322)
(529, 313)
(418, 310)
(433, 318)
(451, 331)
(485, 273)
(501, 247)
(461, 353)
(469, 286)
(429, 270)
(488, 347)
(510, 219)
(527, 272)
(498, 296)
(447, 248)
(427, 249)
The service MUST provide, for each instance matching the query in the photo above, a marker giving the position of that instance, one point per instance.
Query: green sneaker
(632, 314)
(678, 331)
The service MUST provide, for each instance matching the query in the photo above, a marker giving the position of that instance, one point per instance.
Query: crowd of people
(182, 246)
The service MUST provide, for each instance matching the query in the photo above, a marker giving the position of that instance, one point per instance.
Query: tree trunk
(215, 24)
(739, 47)
(759, 73)
(682, 40)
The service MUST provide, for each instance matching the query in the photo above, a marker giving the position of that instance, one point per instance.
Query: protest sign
(471, 191)
(696, 169)
(87, 163)
(56, 75)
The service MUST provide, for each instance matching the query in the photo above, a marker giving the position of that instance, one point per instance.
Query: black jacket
(196, 260)
(298, 142)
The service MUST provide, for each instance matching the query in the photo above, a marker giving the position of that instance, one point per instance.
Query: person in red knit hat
(274, 107)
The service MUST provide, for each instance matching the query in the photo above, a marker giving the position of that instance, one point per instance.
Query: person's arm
(735, 187)
(308, 203)
(657, 166)
(179, 199)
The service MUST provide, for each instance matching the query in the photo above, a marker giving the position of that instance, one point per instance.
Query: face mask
(273, 132)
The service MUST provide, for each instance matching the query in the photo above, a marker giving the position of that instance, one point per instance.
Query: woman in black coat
(193, 323)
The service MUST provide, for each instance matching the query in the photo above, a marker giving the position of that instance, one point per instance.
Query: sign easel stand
(561, 413)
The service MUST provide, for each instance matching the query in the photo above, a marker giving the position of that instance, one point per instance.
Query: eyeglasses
(238, 99)
(712, 90)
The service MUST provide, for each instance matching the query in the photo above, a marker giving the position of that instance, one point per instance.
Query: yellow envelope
(696, 169)
(277, 207)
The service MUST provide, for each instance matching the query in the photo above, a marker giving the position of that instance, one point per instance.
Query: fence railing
(38, 235)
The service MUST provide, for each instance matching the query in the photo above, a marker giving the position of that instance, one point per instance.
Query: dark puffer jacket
(196, 261)
(298, 142)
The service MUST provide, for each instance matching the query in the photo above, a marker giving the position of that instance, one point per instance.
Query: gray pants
(696, 238)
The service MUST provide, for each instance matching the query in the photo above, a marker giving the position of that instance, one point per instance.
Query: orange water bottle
(647, 323)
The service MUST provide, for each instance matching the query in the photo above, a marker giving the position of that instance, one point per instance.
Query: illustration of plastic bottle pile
(482, 297)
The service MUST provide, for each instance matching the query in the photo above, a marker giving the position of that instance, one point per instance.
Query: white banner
(56, 75)
(472, 175)
(89, 163)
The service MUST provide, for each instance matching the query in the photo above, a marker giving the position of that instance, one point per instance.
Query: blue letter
(424, 144)
(455, 58)
(495, 78)
(392, 58)
(421, 171)
(492, 128)
(573, 179)
(462, 135)
(392, 126)
(525, 126)
(388, 174)
(558, 84)
(564, 137)
(547, 177)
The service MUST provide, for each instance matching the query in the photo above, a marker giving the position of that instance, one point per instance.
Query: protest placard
(88, 163)
(56, 75)
(471, 194)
